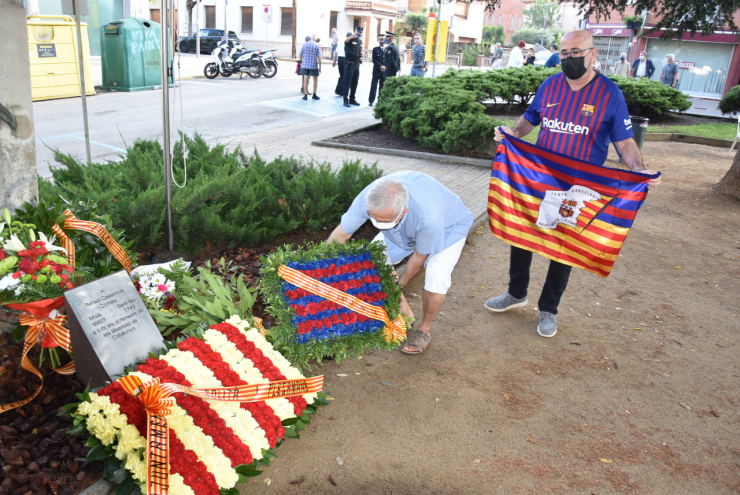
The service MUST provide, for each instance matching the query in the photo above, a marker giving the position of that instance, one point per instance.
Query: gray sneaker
(548, 326)
(505, 302)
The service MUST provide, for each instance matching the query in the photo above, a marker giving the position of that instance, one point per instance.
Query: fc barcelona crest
(587, 110)
(567, 208)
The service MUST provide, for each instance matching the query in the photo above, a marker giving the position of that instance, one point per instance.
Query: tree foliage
(230, 198)
(679, 16)
(415, 23)
(533, 36)
(539, 11)
(494, 34)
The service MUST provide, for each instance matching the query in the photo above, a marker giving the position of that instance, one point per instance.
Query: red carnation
(2, 254)
(324, 305)
(312, 308)
(27, 266)
(344, 269)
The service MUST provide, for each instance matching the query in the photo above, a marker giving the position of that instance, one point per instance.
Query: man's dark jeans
(340, 65)
(376, 86)
(555, 283)
(351, 78)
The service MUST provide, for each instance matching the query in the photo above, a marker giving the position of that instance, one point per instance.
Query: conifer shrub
(230, 197)
(646, 97)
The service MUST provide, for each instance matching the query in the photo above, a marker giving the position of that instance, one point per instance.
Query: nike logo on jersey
(552, 104)
(564, 127)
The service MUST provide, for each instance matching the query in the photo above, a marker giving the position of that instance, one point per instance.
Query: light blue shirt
(437, 218)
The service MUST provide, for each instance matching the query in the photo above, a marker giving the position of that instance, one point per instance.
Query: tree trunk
(730, 183)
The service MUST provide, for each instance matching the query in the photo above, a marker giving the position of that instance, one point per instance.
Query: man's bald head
(579, 38)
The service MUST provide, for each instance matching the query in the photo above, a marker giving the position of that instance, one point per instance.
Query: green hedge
(230, 198)
(447, 113)
(533, 36)
(730, 103)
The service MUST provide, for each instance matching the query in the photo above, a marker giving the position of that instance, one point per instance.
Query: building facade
(510, 15)
(709, 66)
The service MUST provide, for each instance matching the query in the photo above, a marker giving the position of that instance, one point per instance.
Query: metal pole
(544, 25)
(293, 29)
(82, 81)
(436, 42)
(226, 24)
(197, 24)
(165, 40)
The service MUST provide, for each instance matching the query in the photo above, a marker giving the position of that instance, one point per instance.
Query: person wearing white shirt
(516, 57)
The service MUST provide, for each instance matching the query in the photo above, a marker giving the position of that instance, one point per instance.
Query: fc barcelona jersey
(580, 124)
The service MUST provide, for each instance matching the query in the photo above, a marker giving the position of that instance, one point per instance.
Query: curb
(478, 162)
(480, 221)
(687, 138)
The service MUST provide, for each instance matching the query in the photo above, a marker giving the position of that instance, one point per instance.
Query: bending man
(418, 217)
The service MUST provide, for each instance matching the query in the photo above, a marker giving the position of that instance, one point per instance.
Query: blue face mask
(621, 58)
(382, 43)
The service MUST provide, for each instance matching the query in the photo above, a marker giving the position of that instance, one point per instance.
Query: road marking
(76, 135)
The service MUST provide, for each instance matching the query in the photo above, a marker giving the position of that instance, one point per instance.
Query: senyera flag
(565, 209)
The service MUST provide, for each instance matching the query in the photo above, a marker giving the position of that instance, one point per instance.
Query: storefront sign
(110, 327)
(47, 50)
(685, 65)
(608, 31)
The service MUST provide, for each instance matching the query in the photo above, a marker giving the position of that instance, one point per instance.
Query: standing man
(554, 59)
(419, 65)
(418, 217)
(643, 67)
(310, 59)
(391, 59)
(339, 61)
(378, 78)
(498, 55)
(595, 114)
(669, 75)
(352, 61)
(334, 42)
(622, 68)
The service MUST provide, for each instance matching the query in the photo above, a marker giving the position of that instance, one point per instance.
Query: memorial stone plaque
(110, 328)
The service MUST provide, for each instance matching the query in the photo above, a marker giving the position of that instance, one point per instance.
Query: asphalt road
(216, 109)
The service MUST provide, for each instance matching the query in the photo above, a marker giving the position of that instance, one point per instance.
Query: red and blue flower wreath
(317, 318)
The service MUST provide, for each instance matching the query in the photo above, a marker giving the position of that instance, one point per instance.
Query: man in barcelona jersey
(580, 111)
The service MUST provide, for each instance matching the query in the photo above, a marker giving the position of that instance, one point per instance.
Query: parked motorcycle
(269, 60)
(230, 58)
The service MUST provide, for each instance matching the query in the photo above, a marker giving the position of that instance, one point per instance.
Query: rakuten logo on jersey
(564, 127)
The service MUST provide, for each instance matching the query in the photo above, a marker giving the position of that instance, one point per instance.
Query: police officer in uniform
(378, 78)
(391, 59)
(352, 61)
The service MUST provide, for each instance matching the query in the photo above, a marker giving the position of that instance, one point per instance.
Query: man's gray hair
(498, 44)
(308, 38)
(385, 193)
(671, 56)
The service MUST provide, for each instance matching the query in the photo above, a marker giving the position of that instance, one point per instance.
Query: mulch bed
(382, 137)
(37, 456)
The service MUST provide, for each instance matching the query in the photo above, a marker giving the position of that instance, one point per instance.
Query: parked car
(209, 39)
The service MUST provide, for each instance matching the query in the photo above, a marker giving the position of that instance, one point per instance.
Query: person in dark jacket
(554, 59)
(530, 57)
(643, 67)
(377, 83)
(391, 59)
(352, 61)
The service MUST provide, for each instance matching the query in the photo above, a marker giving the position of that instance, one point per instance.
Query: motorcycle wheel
(256, 71)
(210, 71)
(270, 69)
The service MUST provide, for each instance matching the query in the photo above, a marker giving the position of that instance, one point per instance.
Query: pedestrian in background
(669, 75)
(352, 61)
(339, 61)
(418, 53)
(622, 68)
(554, 59)
(643, 67)
(378, 78)
(334, 42)
(516, 58)
(498, 55)
(530, 57)
(310, 59)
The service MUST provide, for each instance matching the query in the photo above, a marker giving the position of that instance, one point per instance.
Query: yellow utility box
(52, 46)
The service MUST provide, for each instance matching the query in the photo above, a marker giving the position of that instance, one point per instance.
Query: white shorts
(438, 276)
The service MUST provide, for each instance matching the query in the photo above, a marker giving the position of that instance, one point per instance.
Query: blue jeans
(333, 49)
(417, 71)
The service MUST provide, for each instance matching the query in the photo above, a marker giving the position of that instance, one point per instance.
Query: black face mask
(574, 67)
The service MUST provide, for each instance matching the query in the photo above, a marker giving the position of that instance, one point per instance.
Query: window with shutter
(461, 9)
(154, 15)
(210, 17)
(286, 21)
(333, 20)
(247, 13)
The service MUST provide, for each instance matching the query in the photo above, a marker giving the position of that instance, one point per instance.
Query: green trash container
(130, 55)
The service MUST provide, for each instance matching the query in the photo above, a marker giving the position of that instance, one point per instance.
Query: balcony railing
(371, 6)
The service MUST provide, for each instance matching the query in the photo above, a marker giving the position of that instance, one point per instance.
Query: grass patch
(723, 130)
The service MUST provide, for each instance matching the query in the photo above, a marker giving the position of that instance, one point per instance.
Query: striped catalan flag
(565, 209)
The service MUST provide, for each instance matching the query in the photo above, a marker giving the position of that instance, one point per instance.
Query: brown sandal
(418, 340)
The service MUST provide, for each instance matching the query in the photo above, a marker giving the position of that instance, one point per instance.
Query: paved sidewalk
(467, 181)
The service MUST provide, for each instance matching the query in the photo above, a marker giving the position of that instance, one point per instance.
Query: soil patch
(382, 137)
